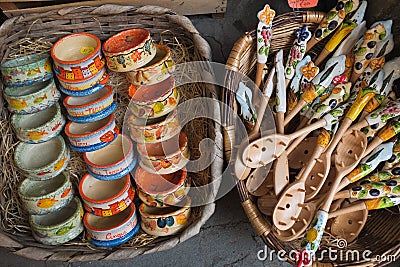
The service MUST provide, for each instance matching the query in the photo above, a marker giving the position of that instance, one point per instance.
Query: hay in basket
(36, 32)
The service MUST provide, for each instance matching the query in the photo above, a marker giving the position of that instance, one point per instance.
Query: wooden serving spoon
(260, 181)
(267, 203)
(297, 156)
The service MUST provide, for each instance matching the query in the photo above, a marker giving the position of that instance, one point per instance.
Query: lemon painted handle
(345, 29)
(363, 97)
(382, 202)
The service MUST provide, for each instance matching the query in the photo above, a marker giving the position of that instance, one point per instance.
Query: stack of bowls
(161, 179)
(46, 193)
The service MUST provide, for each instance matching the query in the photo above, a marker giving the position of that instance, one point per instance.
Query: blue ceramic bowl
(95, 116)
(85, 92)
(115, 176)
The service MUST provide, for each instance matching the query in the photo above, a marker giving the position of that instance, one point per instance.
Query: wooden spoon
(260, 181)
(267, 203)
(297, 157)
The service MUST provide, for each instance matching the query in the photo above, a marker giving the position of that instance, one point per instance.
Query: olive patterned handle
(369, 189)
(394, 160)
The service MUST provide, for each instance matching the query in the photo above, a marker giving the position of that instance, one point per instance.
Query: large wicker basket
(381, 234)
(103, 21)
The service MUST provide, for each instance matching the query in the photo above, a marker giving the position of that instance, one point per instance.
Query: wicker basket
(103, 21)
(381, 234)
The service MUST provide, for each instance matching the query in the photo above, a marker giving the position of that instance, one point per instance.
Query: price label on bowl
(302, 3)
(86, 50)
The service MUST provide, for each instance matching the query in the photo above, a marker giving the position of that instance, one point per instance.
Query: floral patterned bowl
(77, 57)
(157, 70)
(31, 98)
(91, 90)
(86, 85)
(60, 226)
(113, 230)
(164, 157)
(42, 197)
(153, 130)
(167, 221)
(157, 190)
(42, 161)
(129, 50)
(86, 137)
(113, 161)
(106, 198)
(153, 101)
(27, 70)
(38, 127)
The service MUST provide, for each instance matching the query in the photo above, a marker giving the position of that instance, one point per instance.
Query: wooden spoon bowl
(298, 157)
(263, 174)
(267, 203)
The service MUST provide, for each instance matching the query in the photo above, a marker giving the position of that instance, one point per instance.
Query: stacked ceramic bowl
(106, 189)
(55, 215)
(161, 178)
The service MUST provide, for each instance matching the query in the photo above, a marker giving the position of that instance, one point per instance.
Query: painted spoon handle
(389, 131)
(280, 97)
(372, 190)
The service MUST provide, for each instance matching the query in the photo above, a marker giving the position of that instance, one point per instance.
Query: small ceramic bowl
(91, 104)
(113, 161)
(42, 161)
(165, 157)
(77, 57)
(32, 98)
(157, 70)
(157, 190)
(129, 50)
(153, 130)
(91, 90)
(84, 85)
(38, 127)
(167, 221)
(43, 197)
(153, 101)
(27, 70)
(113, 230)
(59, 226)
(86, 137)
(106, 198)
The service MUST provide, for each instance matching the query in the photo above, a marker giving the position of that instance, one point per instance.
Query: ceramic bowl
(91, 90)
(38, 127)
(129, 50)
(42, 161)
(153, 130)
(31, 98)
(164, 222)
(113, 230)
(91, 104)
(42, 197)
(157, 190)
(59, 226)
(86, 137)
(153, 101)
(165, 157)
(79, 86)
(157, 70)
(77, 57)
(113, 161)
(27, 70)
(106, 198)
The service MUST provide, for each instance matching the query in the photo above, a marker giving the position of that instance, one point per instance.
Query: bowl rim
(181, 182)
(127, 186)
(140, 147)
(184, 208)
(47, 87)
(111, 119)
(130, 151)
(122, 33)
(163, 120)
(110, 92)
(168, 90)
(39, 57)
(26, 180)
(132, 214)
(155, 64)
(77, 61)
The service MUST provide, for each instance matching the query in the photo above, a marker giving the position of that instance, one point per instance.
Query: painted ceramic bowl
(129, 50)
(42, 197)
(153, 101)
(85, 85)
(38, 127)
(157, 70)
(106, 198)
(153, 130)
(86, 137)
(162, 190)
(77, 57)
(165, 157)
(42, 161)
(91, 104)
(27, 70)
(113, 230)
(164, 222)
(59, 226)
(113, 161)
(32, 98)
(91, 90)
